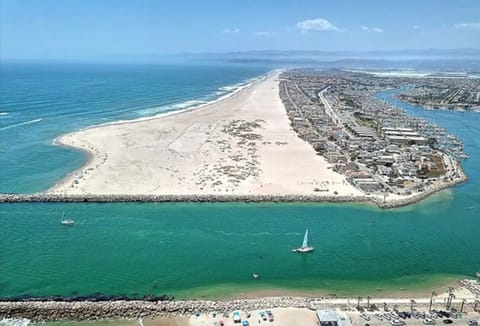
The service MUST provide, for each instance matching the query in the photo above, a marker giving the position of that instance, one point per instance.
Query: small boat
(255, 276)
(305, 247)
(66, 221)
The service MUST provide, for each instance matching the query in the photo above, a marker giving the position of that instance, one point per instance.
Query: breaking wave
(22, 124)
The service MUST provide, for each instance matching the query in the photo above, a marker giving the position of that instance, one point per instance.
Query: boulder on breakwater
(92, 310)
(314, 198)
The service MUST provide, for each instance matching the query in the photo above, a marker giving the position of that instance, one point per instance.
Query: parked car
(429, 321)
(447, 321)
(270, 315)
(263, 315)
(236, 317)
(402, 315)
(397, 322)
(472, 323)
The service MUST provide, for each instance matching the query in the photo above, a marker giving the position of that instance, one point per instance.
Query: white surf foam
(189, 105)
(15, 322)
(3, 113)
(171, 107)
(22, 124)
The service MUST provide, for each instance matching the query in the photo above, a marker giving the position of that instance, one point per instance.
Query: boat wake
(21, 124)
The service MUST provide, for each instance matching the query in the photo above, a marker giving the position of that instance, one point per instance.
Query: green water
(211, 250)
(198, 250)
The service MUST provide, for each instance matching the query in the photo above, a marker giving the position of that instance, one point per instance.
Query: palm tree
(434, 294)
(358, 302)
(450, 297)
(368, 302)
(461, 307)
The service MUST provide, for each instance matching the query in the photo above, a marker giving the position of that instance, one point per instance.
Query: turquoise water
(209, 250)
(212, 249)
(39, 102)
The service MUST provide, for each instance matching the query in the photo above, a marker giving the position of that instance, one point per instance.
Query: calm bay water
(213, 249)
(208, 250)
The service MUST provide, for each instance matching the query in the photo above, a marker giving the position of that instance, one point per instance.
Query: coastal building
(403, 136)
(366, 183)
(330, 317)
(375, 145)
(406, 139)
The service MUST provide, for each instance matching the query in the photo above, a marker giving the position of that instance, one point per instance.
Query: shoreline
(45, 197)
(168, 113)
(206, 154)
(230, 147)
(90, 155)
(437, 106)
(394, 288)
(49, 310)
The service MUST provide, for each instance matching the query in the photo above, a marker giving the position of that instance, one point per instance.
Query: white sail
(305, 239)
(305, 248)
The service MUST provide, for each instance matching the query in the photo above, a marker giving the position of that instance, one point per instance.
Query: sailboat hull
(304, 249)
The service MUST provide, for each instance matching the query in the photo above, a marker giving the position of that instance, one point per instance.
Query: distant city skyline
(54, 29)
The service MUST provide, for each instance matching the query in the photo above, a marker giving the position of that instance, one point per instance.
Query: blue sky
(69, 29)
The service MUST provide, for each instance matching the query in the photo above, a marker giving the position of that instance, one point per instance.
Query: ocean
(206, 250)
(39, 102)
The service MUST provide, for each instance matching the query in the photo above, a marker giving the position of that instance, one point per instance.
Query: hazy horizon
(86, 30)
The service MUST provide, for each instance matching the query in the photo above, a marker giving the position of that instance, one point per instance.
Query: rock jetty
(68, 198)
(91, 310)
(316, 198)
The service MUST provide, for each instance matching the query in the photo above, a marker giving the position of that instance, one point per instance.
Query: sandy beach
(282, 317)
(286, 310)
(242, 144)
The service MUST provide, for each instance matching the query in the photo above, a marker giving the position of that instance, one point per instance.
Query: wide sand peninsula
(241, 145)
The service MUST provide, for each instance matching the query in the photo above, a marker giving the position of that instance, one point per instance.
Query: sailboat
(305, 247)
(66, 221)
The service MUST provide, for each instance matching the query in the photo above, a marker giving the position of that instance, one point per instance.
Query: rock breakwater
(376, 200)
(90, 310)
